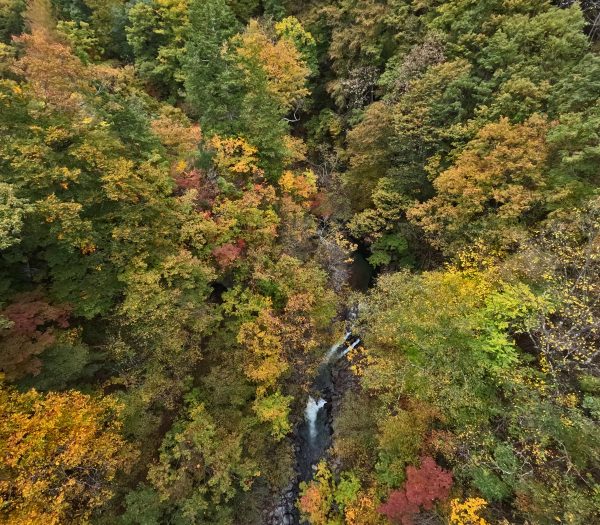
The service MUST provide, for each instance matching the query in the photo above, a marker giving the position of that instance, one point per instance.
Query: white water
(351, 347)
(313, 405)
(335, 348)
(310, 413)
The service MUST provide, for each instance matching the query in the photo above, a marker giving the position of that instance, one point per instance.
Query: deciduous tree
(60, 453)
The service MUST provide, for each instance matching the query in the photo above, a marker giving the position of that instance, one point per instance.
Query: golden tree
(59, 453)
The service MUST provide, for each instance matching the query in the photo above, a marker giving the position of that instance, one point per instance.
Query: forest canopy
(188, 191)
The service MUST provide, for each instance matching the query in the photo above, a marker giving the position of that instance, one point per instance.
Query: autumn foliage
(467, 512)
(495, 183)
(424, 487)
(58, 455)
(227, 254)
(192, 190)
(281, 62)
(33, 325)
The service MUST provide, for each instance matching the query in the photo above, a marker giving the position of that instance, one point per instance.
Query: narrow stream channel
(313, 436)
(315, 432)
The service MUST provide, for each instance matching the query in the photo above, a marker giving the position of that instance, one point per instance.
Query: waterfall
(310, 413)
(335, 348)
(314, 436)
(351, 347)
(316, 432)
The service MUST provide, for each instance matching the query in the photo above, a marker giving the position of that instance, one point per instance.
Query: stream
(315, 432)
(313, 435)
